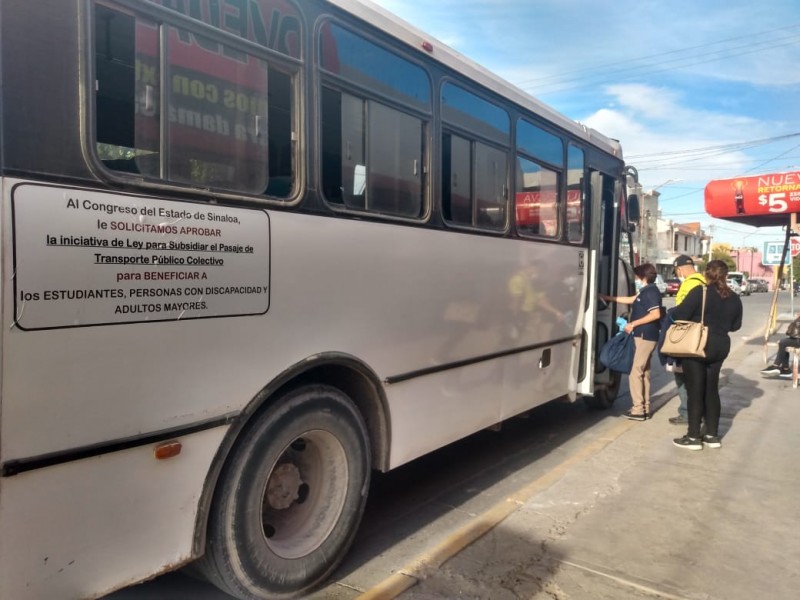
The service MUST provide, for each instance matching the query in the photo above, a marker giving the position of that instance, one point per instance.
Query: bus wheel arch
(348, 378)
(291, 495)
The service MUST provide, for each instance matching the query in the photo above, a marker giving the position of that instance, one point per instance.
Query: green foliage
(796, 267)
(720, 252)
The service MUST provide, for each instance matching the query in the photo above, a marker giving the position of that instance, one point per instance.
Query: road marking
(657, 593)
(416, 571)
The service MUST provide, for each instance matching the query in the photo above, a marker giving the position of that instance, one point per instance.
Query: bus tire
(604, 396)
(290, 498)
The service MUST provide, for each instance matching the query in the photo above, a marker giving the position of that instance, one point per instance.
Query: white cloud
(651, 122)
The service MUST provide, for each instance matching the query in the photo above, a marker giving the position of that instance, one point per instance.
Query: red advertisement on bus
(540, 210)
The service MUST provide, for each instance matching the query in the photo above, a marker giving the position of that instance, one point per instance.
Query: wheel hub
(283, 486)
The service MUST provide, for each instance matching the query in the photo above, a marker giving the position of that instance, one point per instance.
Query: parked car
(739, 278)
(735, 287)
(672, 286)
(763, 285)
(662, 287)
(744, 284)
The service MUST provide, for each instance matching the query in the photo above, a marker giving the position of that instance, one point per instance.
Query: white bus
(253, 251)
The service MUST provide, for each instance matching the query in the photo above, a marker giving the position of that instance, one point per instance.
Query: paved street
(582, 505)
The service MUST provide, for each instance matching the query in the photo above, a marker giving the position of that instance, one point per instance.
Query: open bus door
(612, 274)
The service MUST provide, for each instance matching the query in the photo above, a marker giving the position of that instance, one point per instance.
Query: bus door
(608, 275)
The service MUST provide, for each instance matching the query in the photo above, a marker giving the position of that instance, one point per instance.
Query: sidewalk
(644, 519)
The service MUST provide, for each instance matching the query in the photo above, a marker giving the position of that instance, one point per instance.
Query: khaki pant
(639, 379)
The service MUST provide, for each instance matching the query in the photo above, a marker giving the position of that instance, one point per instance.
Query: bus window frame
(473, 137)
(339, 84)
(585, 203)
(533, 120)
(164, 17)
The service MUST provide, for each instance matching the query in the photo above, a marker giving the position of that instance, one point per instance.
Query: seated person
(781, 366)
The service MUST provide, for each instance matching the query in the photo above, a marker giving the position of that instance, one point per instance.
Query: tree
(721, 252)
(795, 268)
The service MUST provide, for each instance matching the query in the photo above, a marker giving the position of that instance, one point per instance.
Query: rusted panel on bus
(759, 197)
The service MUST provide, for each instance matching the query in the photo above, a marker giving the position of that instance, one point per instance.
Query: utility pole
(710, 242)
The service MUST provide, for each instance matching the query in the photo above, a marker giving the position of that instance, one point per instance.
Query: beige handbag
(687, 339)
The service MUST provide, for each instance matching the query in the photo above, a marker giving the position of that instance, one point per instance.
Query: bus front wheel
(290, 498)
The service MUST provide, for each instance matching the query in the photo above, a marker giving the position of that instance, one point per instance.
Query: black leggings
(702, 389)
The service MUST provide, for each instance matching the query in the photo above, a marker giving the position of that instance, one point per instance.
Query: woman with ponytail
(723, 314)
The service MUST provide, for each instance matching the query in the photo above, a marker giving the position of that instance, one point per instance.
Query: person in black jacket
(723, 314)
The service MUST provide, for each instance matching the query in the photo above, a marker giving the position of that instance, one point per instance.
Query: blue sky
(665, 77)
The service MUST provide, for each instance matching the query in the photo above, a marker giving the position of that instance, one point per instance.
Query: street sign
(795, 243)
(772, 253)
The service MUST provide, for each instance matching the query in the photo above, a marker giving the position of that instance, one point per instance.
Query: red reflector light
(167, 450)
(427, 46)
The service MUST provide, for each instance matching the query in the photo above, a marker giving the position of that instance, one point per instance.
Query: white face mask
(681, 279)
(638, 285)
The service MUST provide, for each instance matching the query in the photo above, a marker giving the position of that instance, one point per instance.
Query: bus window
(227, 117)
(385, 179)
(457, 179)
(540, 144)
(473, 183)
(538, 192)
(371, 67)
(576, 195)
(472, 113)
(474, 174)
(537, 204)
(126, 96)
(394, 177)
(490, 170)
(372, 152)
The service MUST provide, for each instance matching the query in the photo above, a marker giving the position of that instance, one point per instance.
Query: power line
(774, 159)
(734, 145)
(650, 69)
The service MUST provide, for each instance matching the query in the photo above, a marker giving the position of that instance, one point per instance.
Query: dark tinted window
(473, 113)
(474, 179)
(373, 67)
(576, 195)
(540, 144)
(372, 155)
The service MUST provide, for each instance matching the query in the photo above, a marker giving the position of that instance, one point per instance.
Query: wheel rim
(304, 494)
